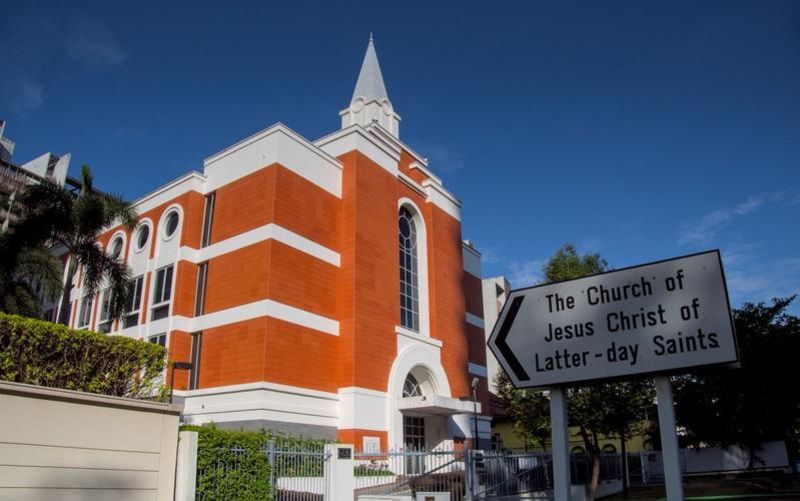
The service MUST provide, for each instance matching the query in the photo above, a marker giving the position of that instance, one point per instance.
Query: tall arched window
(409, 274)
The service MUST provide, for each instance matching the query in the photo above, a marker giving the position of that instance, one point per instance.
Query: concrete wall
(67, 445)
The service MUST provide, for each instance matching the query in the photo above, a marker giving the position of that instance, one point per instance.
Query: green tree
(756, 403)
(26, 275)
(54, 217)
(529, 411)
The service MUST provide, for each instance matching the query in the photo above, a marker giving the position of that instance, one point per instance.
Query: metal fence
(407, 472)
(276, 472)
(506, 473)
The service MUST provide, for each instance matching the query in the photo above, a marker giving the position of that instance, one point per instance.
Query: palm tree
(26, 276)
(54, 216)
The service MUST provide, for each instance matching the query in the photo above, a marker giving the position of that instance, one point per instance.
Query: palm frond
(119, 210)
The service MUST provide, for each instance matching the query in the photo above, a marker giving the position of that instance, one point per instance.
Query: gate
(406, 473)
(495, 474)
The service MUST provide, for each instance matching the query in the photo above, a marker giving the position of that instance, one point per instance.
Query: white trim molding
(260, 234)
(261, 401)
(275, 144)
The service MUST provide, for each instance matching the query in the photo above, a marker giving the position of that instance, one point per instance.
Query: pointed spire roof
(370, 80)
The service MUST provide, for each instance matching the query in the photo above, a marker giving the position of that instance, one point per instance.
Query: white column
(186, 466)
(669, 439)
(558, 418)
(339, 474)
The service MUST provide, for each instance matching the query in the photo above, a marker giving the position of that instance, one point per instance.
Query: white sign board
(652, 318)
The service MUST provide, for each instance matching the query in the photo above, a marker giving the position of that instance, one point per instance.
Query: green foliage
(47, 354)
(566, 264)
(528, 409)
(25, 273)
(53, 216)
(758, 402)
(234, 464)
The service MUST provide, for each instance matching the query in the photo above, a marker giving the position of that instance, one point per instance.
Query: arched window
(409, 273)
(411, 388)
(609, 449)
(578, 451)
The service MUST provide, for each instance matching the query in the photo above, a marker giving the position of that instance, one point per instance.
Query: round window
(172, 224)
(116, 247)
(142, 236)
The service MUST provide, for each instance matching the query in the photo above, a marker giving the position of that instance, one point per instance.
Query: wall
(68, 445)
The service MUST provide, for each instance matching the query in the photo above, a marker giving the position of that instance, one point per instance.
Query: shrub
(235, 464)
(47, 354)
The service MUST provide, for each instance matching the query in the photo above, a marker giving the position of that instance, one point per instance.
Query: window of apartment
(208, 219)
(200, 292)
(197, 344)
(163, 292)
(134, 301)
(159, 339)
(105, 311)
(85, 313)
(409, 277)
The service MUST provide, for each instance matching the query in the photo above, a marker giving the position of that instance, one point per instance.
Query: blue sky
(634, 129)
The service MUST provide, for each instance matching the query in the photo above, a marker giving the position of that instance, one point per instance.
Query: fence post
(469, 468)
(339, 473)
(271, 461)
(186, 466)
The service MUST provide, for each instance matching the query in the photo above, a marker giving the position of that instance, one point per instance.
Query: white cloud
(757, 280)
(92, 44)
(703, 230)
(525, 273)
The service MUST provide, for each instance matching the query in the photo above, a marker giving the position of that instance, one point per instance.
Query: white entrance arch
(422, 361)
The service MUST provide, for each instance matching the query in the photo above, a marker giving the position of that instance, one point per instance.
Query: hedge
(234, 464)
(47, 354)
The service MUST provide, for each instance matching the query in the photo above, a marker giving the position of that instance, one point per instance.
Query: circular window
(116, 247)
(172, 224)
(142, 236)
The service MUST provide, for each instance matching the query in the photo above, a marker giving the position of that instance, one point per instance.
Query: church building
(318, 287)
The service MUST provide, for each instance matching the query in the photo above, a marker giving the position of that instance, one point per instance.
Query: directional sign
(653, 318)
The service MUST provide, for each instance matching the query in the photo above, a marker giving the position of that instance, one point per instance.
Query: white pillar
(669, 439)
(339, 473)
(560, 425)
(186, 466)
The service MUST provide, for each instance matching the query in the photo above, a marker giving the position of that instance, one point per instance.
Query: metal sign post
(560, 426)
(669, 439)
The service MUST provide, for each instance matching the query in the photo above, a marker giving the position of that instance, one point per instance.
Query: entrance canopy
(435, 405)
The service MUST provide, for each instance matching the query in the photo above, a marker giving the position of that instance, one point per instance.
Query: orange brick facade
(289, 308)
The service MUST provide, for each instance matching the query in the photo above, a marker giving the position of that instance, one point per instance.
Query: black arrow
(502, 334)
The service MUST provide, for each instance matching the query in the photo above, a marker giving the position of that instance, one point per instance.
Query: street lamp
(183, 366)
(474, 385)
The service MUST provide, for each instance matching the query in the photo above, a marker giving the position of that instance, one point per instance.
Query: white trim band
(260, 234)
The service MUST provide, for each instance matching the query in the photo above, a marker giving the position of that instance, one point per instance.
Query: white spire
(370, 80)
(370, 104)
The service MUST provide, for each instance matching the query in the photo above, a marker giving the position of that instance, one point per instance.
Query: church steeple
(370, 103)
(370, 80)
